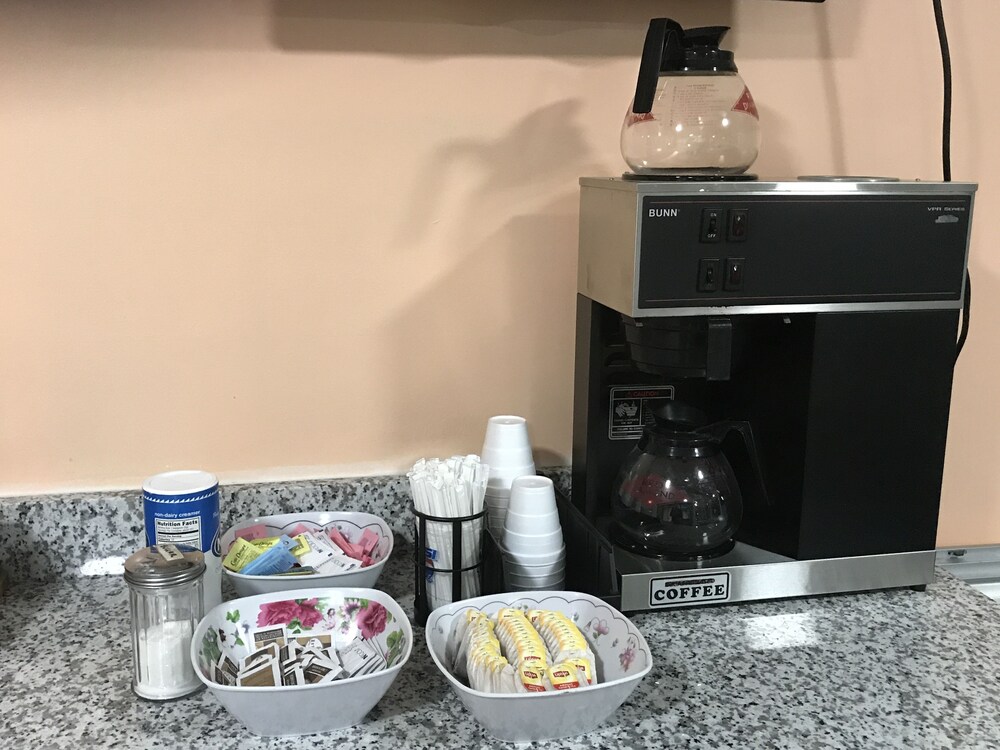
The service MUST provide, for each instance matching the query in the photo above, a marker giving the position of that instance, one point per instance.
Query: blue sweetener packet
(278, 559)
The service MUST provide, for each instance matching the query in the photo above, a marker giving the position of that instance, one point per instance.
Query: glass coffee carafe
(692, 112)
(677, 495)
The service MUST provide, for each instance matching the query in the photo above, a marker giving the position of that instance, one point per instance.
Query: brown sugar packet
(318, 672)
(319, 640)
(225, 671)
(262, 637)
(262, 675)
(259, 657)
(293, 676)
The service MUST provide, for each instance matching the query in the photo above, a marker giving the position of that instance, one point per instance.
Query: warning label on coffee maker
(630, 410)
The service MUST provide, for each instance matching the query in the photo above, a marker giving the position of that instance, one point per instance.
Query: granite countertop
(897, 669)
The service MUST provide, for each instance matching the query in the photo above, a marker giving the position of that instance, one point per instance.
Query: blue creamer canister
(182, 507)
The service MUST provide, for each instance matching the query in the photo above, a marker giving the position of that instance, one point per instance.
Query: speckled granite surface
(45, 537)
(896, 669)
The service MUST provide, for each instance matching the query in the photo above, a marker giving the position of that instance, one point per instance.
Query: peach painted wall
(281, 238)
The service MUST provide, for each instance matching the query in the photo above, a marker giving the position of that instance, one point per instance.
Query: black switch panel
(804, 249)
(734, 274)
(709, 274)
(711, 225)
(738, 224)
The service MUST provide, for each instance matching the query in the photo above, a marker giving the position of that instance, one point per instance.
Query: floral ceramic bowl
(349, 614)
(623, 659)
(351, 524)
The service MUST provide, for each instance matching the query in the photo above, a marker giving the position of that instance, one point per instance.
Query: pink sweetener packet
(352, 550)
(259, 531)
(301, 529)
(368, 541)
(366, 561)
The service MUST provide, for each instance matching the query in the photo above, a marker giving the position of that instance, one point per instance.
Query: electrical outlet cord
(942, 33)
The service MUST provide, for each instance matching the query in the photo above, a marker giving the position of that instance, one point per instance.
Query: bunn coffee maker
(822, 314)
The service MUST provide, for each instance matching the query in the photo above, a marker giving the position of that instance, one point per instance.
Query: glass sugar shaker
(166, 596)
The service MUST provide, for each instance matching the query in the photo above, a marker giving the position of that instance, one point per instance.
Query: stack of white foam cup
(534, 556)
(507, 451)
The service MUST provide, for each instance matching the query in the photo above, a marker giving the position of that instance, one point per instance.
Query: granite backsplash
(44, 537)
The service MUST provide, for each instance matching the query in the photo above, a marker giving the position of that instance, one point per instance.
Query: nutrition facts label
(179, 531)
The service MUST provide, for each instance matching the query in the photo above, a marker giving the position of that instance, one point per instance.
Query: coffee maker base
(758, 581)
(633, 583)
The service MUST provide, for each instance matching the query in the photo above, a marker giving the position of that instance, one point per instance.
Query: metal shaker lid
(164, 565)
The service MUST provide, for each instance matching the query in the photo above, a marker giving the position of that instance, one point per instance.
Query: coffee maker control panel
(749, 247)
(816, 249)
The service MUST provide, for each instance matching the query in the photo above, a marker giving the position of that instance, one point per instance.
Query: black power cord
(942, 33)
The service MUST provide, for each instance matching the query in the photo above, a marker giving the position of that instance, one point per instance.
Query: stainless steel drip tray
(750, 574)
(742, 554)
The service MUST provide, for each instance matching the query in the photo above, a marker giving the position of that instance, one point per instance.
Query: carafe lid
(670, 49)
(674, 431)
(701, 52)
(164, 565)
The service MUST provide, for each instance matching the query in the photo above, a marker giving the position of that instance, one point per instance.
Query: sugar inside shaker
(166, 596)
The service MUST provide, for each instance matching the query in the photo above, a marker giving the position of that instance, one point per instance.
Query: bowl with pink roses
(302, 662)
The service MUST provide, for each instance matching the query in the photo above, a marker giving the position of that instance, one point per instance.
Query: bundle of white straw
(450, 488)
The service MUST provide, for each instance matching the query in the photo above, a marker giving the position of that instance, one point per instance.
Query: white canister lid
(182, 482)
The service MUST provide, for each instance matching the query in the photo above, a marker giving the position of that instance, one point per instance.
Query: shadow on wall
(765, 29)
(450, 377)
(520, 278)
(537, 152)
(832, 92)
(776, 159)
(473, 27)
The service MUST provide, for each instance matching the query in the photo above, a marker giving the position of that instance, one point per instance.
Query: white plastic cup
(553, 585)
(535, 544)
(556, 563)
(532, 495)
(528, 559)
(507, 445)
(501, 477)
(495, 526)
(520, 523)
(537, 582)
(535, 573)
(507, 432)
(497, 501)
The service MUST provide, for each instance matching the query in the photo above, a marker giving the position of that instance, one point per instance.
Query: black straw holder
(423, 568)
